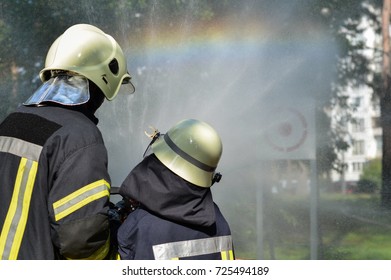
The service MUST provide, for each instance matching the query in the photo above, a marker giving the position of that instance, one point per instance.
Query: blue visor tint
(62, 89)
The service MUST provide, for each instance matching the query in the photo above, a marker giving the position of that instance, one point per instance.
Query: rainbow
(191, 41)
(226, 35)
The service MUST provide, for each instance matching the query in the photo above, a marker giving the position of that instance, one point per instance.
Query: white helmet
(86, 50)
(191, 149)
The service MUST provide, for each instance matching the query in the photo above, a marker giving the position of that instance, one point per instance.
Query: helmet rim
(88, 51)
(192, 157)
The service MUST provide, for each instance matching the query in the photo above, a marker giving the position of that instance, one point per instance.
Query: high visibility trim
(20, 148)
(99, 254)
(227, 255)
(191, 248)
(16, 219)
(231, 255)
(80, 198)
(102, 252)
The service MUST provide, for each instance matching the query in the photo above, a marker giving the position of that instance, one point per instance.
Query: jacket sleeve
(78, 204)
(127, 237)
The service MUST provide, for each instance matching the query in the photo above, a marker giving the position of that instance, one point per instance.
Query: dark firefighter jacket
(176, 220)
(54, 186)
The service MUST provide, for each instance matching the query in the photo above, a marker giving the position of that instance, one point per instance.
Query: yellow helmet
(191, 149)
(86, 50)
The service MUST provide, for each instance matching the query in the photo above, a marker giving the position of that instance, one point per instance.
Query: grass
(355, 227)
(351, 227)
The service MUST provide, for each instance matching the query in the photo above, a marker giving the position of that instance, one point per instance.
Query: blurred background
(298, 91)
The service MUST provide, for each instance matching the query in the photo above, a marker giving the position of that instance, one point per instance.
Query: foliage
(27, 29)
(353, 227)
(344, 21)
(370, 180)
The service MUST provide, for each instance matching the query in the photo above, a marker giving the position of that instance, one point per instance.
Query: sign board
(287, 131)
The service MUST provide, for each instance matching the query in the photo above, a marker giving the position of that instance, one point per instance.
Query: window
(358, 147)
(357, 166)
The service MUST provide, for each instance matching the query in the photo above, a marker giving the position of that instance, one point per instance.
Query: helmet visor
(62, 89)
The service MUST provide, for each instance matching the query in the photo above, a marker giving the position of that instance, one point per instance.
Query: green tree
(370, 179)
(27, 28)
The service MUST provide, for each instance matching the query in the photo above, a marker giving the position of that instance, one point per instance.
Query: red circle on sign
(289, 134)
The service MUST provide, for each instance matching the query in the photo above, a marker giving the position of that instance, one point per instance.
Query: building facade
(364, 136)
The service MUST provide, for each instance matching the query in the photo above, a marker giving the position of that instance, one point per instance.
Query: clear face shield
(64, 89)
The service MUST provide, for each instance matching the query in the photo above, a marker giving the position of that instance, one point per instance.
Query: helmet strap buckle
(216, 177)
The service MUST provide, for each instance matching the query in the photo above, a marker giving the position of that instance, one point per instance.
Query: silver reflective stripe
(20, 148)
(190, 248)
(15, 222)
(80, 198)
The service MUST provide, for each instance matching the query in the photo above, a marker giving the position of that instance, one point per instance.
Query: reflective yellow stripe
(101, 253)
(227, 255)
(16, 219)
(231, 255)
(224, 255)
(80, 198)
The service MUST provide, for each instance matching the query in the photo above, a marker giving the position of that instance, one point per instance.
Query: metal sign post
(290, 135)
(314, 239)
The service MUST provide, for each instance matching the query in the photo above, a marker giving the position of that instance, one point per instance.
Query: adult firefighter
(54, 182)
(177, 217)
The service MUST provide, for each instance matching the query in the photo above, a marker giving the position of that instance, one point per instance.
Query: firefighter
(54, 182)
(176, 217)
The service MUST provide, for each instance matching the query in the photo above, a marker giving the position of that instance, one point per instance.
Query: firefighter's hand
(121, 210)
